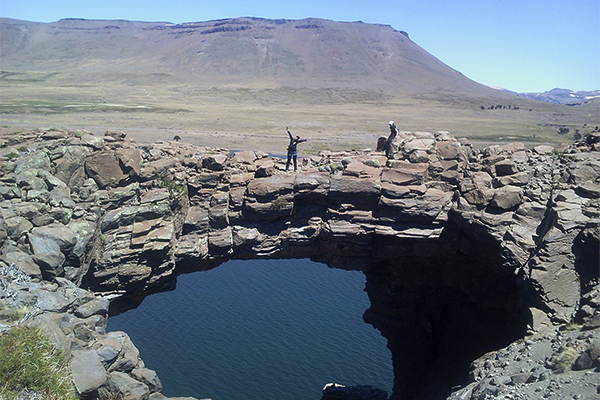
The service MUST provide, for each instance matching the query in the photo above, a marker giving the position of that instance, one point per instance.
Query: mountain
(243, 51)
(563, 96)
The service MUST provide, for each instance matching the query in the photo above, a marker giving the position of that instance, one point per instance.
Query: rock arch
(464, 250)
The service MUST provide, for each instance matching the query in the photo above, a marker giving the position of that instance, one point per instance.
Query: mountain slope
(242, 51)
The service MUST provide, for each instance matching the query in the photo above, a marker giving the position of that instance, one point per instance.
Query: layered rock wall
(464, 250)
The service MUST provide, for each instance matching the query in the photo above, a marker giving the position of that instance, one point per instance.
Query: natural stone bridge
(464, 250)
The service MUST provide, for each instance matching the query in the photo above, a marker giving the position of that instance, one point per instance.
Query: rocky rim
(482, 262)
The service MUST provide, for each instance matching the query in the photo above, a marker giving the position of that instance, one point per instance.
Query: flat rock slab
(88, 372)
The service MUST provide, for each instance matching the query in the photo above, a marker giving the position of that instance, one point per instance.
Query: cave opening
(260, 329)
(442, 305)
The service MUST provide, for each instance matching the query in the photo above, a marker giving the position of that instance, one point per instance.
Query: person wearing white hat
(393, 133)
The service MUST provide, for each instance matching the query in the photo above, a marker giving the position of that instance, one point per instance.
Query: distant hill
(243, 51)
(563, 96)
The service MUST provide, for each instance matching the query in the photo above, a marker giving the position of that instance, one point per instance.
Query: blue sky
(520, 45)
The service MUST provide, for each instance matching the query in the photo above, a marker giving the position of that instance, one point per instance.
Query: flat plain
(216, 84)
(255, 119)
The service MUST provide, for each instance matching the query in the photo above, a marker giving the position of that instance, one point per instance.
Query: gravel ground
(563, 364)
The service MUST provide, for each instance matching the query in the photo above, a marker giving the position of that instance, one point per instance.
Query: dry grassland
(255, 118)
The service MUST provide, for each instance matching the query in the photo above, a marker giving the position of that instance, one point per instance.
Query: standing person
(393, 133)
(292, 150)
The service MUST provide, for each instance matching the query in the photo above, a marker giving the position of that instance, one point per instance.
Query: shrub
(336, 166)
(18, 314)
(176, 188)
(563, 130)
(29, 362)
(372, 163)
(565, 360)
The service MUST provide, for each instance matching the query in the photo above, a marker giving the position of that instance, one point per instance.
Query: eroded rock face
(465, 250)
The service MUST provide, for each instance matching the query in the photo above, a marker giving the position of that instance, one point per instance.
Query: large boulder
(87, 370)
(108, 349)
(17, 226)
(271, 187)
(507, 198)
(58, 233)
(148, 377)
(131, 160)
(33, 161)
(405, 173)
(70, 166)
(448, 150)
(22, 261)
(105, 168)
(215, 162)
(362, 193)
(244, 157)
(129, 356)
(122, 386)
(97, 306)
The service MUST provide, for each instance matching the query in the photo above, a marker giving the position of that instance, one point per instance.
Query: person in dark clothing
(393, 133)
(292, 150)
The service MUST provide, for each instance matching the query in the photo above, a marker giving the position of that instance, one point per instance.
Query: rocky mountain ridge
(468, 253)
(564, 96)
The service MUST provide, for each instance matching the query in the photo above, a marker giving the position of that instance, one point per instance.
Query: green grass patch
(26, 77)
(29, 362)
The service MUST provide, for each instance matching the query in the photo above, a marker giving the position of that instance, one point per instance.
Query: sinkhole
(260, 330)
